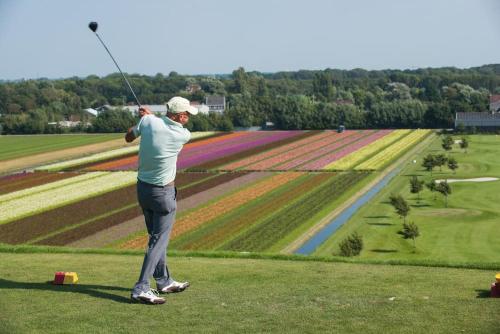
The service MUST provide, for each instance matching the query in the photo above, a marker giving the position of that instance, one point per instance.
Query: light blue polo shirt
(161, 141)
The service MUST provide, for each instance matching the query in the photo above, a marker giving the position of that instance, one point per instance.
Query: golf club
(93, 27)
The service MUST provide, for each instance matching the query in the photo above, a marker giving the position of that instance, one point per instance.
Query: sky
(51, 39)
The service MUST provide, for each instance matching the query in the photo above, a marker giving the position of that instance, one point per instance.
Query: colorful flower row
(276, 151)
(271, 162)
(354, 154)
(311, 157)
(389, 153)
(105, 155)
(214, 152)
(223, 205)
(49, 196)
(49, 186)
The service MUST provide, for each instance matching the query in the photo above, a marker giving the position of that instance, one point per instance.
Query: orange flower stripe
(114, 163)
(222, 206)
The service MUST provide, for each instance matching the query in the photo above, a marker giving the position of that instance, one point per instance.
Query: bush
(352, 245)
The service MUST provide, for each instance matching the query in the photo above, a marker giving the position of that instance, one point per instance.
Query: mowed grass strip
(244, 295)
(221, 206)
(211, 235)
(12, 147)
(270, 231)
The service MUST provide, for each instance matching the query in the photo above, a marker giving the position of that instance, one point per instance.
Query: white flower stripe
(51, 185)
(47, 200)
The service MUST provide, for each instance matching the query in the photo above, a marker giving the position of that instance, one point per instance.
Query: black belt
(170, 184)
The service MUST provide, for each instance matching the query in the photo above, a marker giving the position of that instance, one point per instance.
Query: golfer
(162, 139)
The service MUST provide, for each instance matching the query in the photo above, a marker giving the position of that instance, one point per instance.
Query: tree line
(321, 99)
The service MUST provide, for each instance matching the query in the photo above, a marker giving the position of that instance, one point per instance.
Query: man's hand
(143, 111)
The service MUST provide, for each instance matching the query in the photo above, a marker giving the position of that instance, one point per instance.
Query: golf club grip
(119, 69)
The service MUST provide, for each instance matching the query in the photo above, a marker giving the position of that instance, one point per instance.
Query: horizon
(265, 73)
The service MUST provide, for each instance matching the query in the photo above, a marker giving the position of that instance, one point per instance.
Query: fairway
(12, 147)
(465, 232)
(244, 295)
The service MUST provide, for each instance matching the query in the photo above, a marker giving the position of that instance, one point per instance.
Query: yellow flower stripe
(356, 157)
(381, 158)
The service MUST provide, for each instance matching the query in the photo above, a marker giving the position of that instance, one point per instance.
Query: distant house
(216, 103)
(202, 108)
(155, 108)
(495, 103)
(484, 120)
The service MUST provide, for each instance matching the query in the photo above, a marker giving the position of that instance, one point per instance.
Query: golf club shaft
(119, 69)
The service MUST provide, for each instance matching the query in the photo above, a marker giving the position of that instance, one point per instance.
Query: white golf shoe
(175, 287)
(148, 297)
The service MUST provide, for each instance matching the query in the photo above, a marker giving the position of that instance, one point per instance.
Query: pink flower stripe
(245, 137)
(310, 157)
(219, 152)
(331, 136)
(354, 147)
(275, 151)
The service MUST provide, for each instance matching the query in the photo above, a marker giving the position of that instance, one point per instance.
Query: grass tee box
(12, 147)
(245, 295)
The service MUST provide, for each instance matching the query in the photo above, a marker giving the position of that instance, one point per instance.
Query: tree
(400, 205)
(464, 144)
(447, 143)
(452, 164)
(429, 162)
(444, 188)
(440, 160)
(416, 186)
(431, 185)
(410, 231)
(352, 245)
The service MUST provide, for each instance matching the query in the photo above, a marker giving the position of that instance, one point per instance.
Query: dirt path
(32, 161)
(477, 179)
(292, 247)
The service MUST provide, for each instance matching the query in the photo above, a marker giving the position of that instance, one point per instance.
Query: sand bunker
(477, 179)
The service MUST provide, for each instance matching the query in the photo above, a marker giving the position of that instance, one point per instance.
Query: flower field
(241, 191)
(262, 150)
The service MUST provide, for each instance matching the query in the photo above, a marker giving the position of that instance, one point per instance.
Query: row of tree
(291, 100)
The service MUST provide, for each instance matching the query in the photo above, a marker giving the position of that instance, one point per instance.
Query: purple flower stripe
(216, 153)
(129, 166)
(351, 148)
(323, 150)
(248, 136)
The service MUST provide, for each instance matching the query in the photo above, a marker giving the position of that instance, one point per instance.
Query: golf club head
(93, 26)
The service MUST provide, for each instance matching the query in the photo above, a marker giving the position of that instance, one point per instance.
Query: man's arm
(130, 136)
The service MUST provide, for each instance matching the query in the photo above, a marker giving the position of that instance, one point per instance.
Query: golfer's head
(179, 109)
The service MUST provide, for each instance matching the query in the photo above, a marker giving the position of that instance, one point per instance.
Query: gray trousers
(159, 206)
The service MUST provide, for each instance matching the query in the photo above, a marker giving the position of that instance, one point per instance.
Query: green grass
(466, 231)
(244, 295)
(12, 147)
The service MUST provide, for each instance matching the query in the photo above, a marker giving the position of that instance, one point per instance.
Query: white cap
(179, 104)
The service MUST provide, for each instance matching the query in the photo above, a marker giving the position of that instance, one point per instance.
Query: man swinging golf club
(162, 138)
